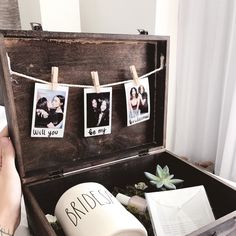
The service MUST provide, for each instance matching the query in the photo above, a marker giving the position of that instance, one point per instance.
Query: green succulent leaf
(163, 179)
(166, 170)
(153, 182)
(169, 177)
(176, 181)
(159, 184)
(159, 172)
(169, 185)
(151, 176)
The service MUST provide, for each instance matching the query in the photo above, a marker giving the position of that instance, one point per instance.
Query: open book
(179, 212)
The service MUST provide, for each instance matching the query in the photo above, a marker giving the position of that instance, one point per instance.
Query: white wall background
(167, 14)
(60, 15)
(117, 16)
(29, 12)
(54, 15)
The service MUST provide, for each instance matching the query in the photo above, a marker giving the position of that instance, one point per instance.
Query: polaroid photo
(137, 102)
(97, 112)
(49, 111)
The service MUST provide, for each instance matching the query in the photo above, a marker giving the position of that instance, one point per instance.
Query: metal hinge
(56, 174)
(143, 153)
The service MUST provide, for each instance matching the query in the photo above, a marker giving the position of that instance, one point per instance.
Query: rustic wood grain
(112, 160)
(7, 94)
(9, 15)
(220, 195)
(76, 58)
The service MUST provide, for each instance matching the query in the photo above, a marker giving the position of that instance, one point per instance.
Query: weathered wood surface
(76, 56)
(129, 172)
(9, 15)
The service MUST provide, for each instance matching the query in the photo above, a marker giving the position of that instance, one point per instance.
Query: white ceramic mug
(89, 209)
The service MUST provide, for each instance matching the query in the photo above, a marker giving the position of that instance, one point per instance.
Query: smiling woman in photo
(56, 112)
(103, 116)
(143, 99)
(134, 102)
(92, 116)
(42, 113)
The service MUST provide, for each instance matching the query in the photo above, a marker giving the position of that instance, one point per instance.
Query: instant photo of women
(97, 112)
(49, 114)
(137, 102)
(49, 111)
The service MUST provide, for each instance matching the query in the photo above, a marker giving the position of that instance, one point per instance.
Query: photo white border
(140, 117)
(48, 132)
(101, 130)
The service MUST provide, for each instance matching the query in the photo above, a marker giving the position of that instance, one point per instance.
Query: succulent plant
(163, 179)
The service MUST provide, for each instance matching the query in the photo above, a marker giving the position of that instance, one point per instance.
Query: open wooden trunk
(47, 166)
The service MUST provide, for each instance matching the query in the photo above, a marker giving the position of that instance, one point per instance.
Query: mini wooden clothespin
(54, 77)
(134, 75)
(95, 79)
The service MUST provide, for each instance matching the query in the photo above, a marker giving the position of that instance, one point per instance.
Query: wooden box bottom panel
(41, 198)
